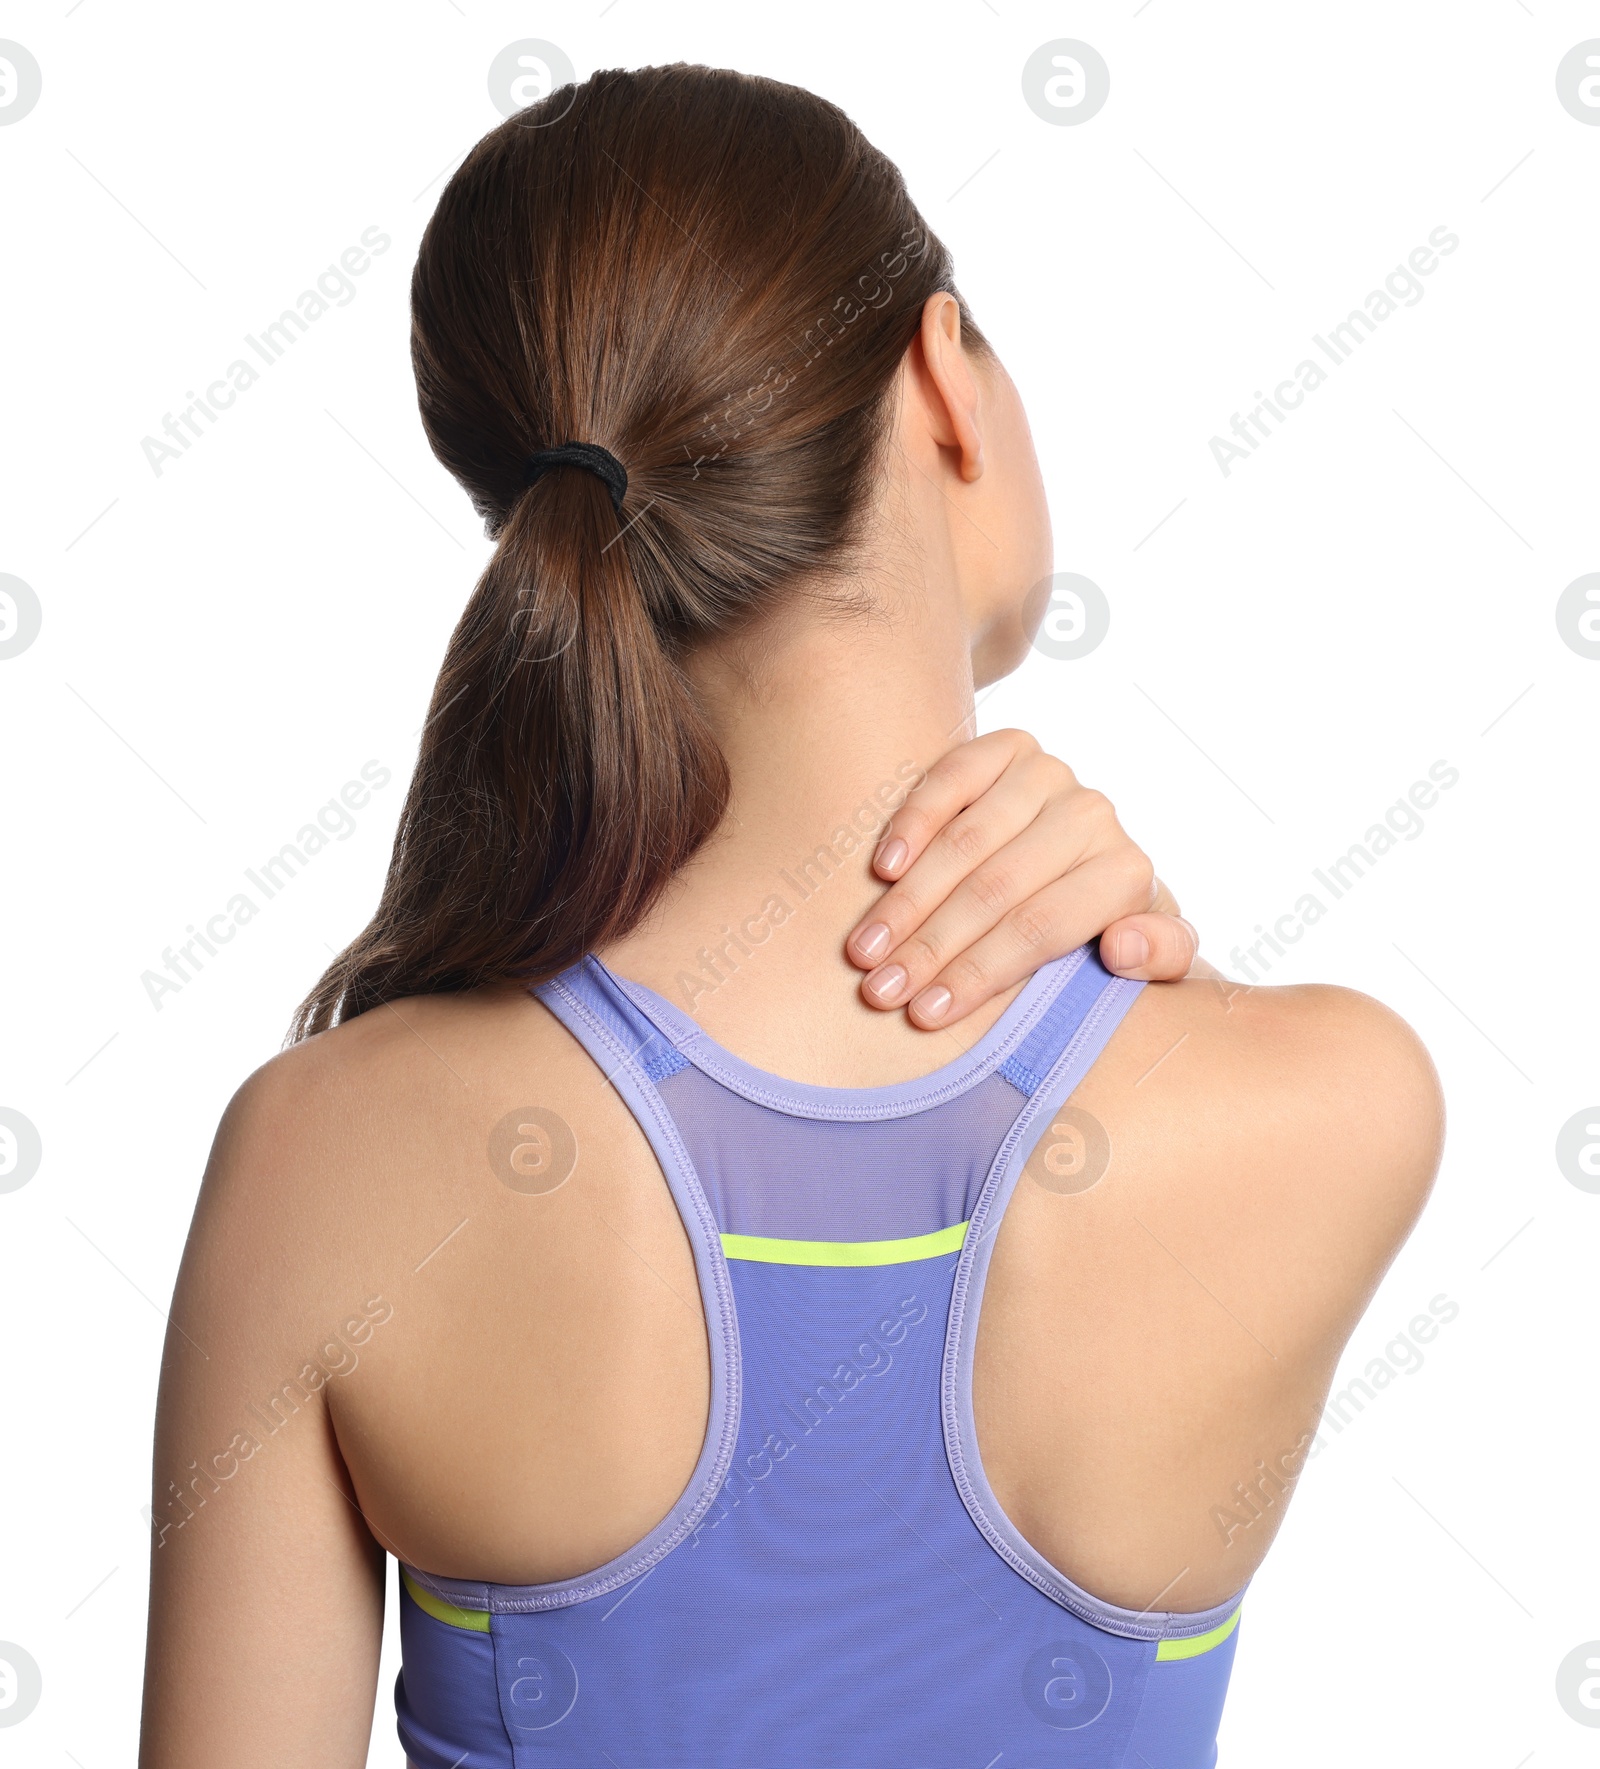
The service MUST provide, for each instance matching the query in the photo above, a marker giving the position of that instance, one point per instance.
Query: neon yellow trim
(772, 1252)
(475, 1619)
(1200, 1643)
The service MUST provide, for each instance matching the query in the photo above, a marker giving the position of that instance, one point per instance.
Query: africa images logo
(20, 82)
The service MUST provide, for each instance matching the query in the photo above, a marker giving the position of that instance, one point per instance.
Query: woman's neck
(826, 722)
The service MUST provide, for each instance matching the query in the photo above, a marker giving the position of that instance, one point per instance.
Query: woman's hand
(999, 862)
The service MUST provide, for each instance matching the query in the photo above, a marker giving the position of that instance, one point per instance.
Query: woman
(738, 1378)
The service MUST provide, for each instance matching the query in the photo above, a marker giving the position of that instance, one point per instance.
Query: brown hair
(715, 277)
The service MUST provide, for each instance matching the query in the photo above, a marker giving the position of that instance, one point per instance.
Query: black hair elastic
(587, 455)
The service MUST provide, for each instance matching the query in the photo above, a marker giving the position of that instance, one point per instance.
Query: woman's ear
(950, 393)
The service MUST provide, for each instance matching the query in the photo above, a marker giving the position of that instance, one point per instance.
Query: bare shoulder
(1326, 1074)
(423, 1067)
(355, 1149)
(1301, 1126)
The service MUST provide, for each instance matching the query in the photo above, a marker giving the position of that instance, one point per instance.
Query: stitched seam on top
(792, 1106)
(534, 1598)
(668, 1062)
(1133, 1724)
(496, 1645)
(1021, 1076)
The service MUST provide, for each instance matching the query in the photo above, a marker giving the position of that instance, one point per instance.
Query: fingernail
(888, 984)
(934, 1003)
(873, 941)
(891, 857)
(1129, 950)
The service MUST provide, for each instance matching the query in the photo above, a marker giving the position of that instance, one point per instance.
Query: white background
(1372, 591)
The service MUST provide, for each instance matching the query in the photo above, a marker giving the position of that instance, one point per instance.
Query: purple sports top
(837, 1584)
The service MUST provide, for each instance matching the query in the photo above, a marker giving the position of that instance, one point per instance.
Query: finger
(981, 844)
(1096, 889)
(1046, 924)
(1050, 924)
(955, 781)
(1151, 948)
(983, 841)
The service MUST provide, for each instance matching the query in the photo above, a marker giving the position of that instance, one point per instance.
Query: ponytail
(717, 277)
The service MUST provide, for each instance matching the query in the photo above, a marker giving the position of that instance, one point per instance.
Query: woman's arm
(266, 1592)
(999, 862)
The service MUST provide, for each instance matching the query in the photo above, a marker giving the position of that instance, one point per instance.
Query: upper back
(1255, 1156)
